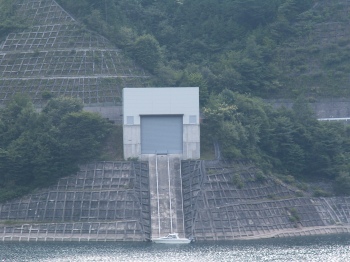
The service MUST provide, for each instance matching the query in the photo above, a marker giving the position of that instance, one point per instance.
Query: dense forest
(289, 142)
(37, 148)
(238, 52)
(270, 48)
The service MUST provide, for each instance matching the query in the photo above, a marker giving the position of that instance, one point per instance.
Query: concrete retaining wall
(112, 113)
(324, 108)
(74, 231)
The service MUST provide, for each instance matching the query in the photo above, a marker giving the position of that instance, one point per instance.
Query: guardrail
(334, 119)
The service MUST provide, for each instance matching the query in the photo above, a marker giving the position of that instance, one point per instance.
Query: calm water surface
(320, 248)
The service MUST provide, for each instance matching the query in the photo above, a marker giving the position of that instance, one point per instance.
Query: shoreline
(306, 231)
(285, 233)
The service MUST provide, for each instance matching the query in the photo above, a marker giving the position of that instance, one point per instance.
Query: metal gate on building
(161, 134)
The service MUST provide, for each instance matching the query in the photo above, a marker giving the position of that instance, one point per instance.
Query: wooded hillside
(236, 51)
(37, 148)
(271, 48)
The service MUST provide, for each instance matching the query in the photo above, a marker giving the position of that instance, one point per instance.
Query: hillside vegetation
(37, 148)
(271, 48)
(288, 142)
(8, 21)
(237, 52)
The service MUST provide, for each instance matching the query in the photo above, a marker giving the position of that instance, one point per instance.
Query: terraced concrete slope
(235, 201)
(114, 201)
(105, 201)
(56, 54)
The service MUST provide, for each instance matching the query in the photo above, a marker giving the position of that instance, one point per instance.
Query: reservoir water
(316, 248)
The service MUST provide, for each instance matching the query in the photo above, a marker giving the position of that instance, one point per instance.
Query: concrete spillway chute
(166, 195)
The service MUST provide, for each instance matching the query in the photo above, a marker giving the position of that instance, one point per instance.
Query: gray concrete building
(161, 121)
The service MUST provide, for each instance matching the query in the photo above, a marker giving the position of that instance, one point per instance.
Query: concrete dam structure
(117, 201)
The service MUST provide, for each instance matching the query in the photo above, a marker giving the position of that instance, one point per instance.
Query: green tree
(237, 122)
(342, 184)
(146, 51)
(57, 108)
(8, 21)
(36, 148)
(81, 135)
(196, 79)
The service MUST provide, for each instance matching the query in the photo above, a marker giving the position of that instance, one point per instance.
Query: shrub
(260, 177)
(237, 181)
(293, 215)
(342, 184)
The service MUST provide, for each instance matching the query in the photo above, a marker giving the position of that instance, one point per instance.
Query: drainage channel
(166, 195)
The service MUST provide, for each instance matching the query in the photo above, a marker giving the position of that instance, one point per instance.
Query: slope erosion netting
(56, 54)
(111, 195)
(235, 201)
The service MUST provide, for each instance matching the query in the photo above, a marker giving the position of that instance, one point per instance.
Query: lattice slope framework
(106, 201)
(57, 54)
(232, 201)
